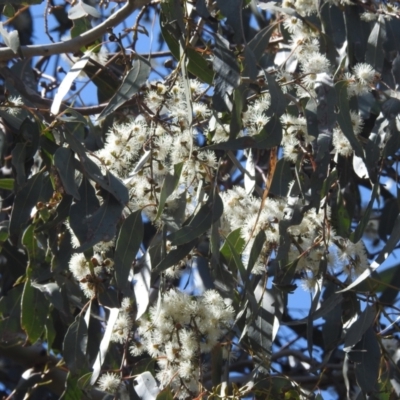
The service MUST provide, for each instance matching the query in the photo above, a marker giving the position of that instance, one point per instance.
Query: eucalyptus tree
(162, 211)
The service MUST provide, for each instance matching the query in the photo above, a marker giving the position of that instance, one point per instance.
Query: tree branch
(73, 45)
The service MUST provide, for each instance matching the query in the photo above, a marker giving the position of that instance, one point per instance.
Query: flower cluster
(142, 152)
(179, 332)
(312, 240)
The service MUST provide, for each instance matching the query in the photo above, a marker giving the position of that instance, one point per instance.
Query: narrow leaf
(64, 162)
(66, 83)
(128, 243)
(34, 309)
(169, 185)
(201, 222)
(142, 286)
(74, 346)
(133, 81)
(101, 355)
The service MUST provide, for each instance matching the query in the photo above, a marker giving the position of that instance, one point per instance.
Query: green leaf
(80, 210)
(101, 355)
(38, 187)
(375, 47)
(142, 286)
(382, 256)
(366, 355)
(68, 80)
(75, 344)
(7, 184)
(201, 222)
(64, 162)
(281, 179)
(165, 394)
(227, 76)
(271, 135)
(52, 293)
(18, 160)
(82, 9)
(34, 310)
(109, 182)
(11, 39)
(231, 250)
(362, 224)
(72, 390)
(171, 12)
(174, 256)
(133, 81)
(217, 364)
(344, 120)
(359, 327)
(232, 10)
(100, 226)
(128, 243)
(169, 185)
(10, 312)
(260, 42)
(278, 99)
(80, 26)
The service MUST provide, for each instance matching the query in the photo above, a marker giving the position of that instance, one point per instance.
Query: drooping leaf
(34, 310)
(11, 39)
(169, 185)
(231, 250)
(81, 9)
(10, 311)
(52, 293)
(375, 52)
(72, 390)
(142, 286)
(271, 135)
(38, 187)
(64, 162)
(227, 76)
(133, 81)
(174, 256)
(344, 119)
(362, 224)
(101, 225)
(69, 78)
(278, 99)
(101, 355)
(359, 327)
(260, 41)
(75, 344)
(109, 182)
(366, 356)
(129, 239)
(171, 28)
(208, 214)
(232, 10)
(382, 256)
(281, 179)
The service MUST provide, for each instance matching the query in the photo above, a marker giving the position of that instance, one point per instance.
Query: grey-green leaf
(200, 223)
(64, 162)
(75, 343)
(133, 81)
(129, 239)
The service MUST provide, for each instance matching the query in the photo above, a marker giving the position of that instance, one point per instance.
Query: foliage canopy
(153, 237)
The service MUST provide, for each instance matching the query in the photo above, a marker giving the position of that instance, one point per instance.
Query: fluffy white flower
(109, 382)
(364, 73)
